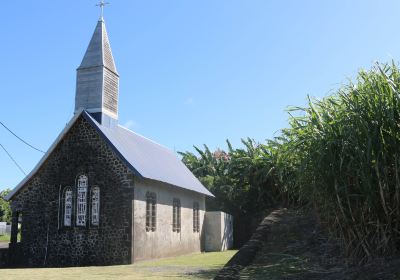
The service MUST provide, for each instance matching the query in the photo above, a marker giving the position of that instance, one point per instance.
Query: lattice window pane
(174, 217)
(196, 217)
(81, 205)
(178, 217)
(194, 220)
(153, 214)
(68, 207)
(148, 214)
(151, 211)
(95, 206)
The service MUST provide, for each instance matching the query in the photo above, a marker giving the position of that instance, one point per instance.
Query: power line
(22, 140)
(20, 168)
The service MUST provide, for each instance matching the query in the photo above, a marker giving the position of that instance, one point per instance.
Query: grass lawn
(196, 267)
(4, 238)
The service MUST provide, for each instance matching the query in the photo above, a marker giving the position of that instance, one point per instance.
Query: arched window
(95, 206)
(151, 211)
(81, 204)
(68, 207)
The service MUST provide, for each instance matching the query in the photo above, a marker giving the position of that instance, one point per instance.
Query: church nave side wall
(164, 242)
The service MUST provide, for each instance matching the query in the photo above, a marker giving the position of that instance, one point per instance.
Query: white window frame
(95, 207)
(81, 200)
(68, 200)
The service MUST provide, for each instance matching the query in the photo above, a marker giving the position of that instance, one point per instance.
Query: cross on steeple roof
(101, 4)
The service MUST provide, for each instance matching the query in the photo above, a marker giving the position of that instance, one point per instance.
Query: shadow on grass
(202, 274)
(280, 265)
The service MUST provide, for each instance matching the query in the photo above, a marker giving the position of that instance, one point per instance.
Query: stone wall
(3, 257)
(44, 240)
(164, 242)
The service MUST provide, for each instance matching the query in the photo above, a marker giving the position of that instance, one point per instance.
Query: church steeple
(97, 79)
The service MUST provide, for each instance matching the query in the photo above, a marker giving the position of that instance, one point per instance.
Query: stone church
(102, 194)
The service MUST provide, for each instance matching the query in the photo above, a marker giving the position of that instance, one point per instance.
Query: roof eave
(88, 118)
(128, 164)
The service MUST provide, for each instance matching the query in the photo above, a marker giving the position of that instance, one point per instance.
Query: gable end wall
(44, 241)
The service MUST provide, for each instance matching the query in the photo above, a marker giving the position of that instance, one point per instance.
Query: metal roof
(150, 159)
(145, 157)
(98, 52)
(97, 80)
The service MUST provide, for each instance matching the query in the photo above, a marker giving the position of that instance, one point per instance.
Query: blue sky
(192, 72)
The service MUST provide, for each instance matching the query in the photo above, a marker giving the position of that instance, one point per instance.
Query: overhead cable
(10, 156)
(22, 140)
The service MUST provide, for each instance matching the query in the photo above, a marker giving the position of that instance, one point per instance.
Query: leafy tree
(340, 155)
(242, 180)
(5, 211)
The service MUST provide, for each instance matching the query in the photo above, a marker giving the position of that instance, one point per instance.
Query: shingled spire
(97, 79)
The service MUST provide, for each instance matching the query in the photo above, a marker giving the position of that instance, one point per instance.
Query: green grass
(4, 238)
(194, 267)
(279, 266)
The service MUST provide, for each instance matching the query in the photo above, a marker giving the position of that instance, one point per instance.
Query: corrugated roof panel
(147, 158)
(150, 159)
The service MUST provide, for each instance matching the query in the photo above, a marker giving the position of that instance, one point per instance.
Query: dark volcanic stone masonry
(44, 239)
